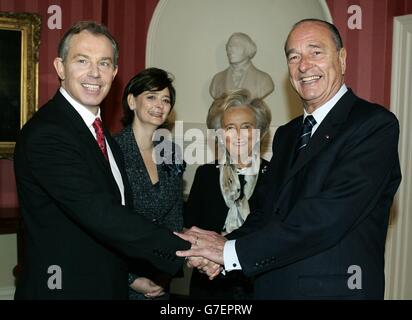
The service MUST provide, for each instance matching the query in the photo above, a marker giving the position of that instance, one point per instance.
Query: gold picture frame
(19, 69)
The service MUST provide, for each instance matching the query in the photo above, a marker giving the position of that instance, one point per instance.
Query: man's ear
(342, 59)
(116, 68)
(59, 67)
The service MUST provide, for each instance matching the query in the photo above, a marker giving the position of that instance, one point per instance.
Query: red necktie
(98, 127)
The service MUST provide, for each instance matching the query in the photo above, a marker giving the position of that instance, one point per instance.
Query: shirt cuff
(132, 277)
(230, 258)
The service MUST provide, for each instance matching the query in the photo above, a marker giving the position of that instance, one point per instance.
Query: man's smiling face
(316, 66)
(88, 70)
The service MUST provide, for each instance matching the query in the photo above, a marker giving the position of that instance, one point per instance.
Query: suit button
(277, 211)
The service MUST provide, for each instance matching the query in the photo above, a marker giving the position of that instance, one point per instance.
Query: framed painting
(19, 47)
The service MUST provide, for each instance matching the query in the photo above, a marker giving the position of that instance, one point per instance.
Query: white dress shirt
(320, 113)
(88, 118)
(231, 261)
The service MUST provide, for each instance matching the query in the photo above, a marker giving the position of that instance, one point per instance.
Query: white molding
(152, 31)
(326, 11)
(154, 23)
(399, 241)
(7, 293)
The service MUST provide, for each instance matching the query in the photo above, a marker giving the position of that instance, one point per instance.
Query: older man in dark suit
(334, 172)
(73, 189)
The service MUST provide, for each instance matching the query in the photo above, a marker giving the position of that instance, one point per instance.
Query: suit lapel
(325, 134)
(72, 118)
(283, 150)
(120, 161)
(321, 138)
(288, 146)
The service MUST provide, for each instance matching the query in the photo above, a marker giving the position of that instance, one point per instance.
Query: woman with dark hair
(154, 168)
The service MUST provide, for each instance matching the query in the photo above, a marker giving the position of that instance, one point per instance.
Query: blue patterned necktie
(305, 135)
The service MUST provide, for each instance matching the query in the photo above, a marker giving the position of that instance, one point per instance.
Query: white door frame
(398, 264)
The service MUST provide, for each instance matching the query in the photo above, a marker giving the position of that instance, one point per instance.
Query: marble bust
(241, 72)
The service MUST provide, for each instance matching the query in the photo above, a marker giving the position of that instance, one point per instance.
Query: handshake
(206, 252)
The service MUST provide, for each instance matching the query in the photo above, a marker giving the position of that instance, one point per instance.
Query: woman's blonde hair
(237, 98)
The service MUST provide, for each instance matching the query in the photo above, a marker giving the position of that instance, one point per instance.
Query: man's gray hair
(334, 32)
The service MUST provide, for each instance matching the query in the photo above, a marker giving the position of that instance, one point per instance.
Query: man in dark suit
(321, 233)
(73, 191)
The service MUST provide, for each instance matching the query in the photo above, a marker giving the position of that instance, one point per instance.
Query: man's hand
(204, 266)
(205, 244)
(147, 287)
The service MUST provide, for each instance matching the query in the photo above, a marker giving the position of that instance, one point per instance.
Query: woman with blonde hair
(226, 191)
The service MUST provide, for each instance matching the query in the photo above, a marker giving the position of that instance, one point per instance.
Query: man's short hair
(92, 27)
(331, 27)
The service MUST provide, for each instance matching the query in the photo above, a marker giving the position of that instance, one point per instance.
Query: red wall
(128, 21)
(369, 50)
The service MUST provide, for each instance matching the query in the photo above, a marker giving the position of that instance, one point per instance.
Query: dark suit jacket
(327, 212)
(71, 207)
(206, 207)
